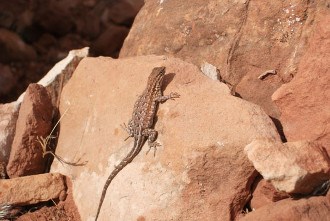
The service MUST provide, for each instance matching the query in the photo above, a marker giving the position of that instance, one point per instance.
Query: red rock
(110, 41)
(304, 103)
(60, 212)
(89, 25)
(124, 12)
(294, 167)
(55, 17)
(13, 48)
(11, 12)
(71, 41)
(8, 118)
(199, 173)
(34, 120)
(311, 209)
(265, 193)
(32, 189)
(7, 79)
(48, 46)
(242, 39)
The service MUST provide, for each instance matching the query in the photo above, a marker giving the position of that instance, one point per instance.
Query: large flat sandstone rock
(200, 172)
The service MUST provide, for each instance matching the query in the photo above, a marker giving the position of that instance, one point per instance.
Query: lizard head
(157, 74)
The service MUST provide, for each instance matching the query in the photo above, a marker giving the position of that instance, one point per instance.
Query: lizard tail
(136, 149)
(107, 183)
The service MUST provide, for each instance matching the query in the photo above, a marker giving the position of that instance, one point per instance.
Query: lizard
(140, 127)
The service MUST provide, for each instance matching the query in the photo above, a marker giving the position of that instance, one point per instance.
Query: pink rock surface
(294, 167)
(32, 189)
(199, 172)
(34, 120)
(304, 103)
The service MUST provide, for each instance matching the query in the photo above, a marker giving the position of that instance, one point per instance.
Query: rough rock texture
(62, 211)
(311, 209)
(34, 120)
(243, 39)
(35, 34)
(8, 117)
(264, 193)
(305, 101)
(32, 189)
(3, 172)
(200, 171)
(294, 167)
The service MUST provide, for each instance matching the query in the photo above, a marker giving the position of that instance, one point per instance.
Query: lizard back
(142, 120)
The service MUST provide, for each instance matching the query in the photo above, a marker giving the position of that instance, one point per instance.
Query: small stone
(210, 71)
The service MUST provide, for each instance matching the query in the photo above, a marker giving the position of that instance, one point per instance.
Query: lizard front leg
(163, 98)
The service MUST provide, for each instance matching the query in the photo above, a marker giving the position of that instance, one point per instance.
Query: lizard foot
(153, 145)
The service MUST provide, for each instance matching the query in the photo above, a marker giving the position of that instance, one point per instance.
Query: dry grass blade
(44, 143)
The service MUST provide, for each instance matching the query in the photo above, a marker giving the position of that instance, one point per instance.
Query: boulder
(200, 170)
(304, 102)
(294, 167)
(32, 189)
(34, 122)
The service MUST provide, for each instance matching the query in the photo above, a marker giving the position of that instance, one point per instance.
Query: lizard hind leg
(152, 135)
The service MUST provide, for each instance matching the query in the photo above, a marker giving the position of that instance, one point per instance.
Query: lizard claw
(127, 129)
(153, 145)
(174, 95)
